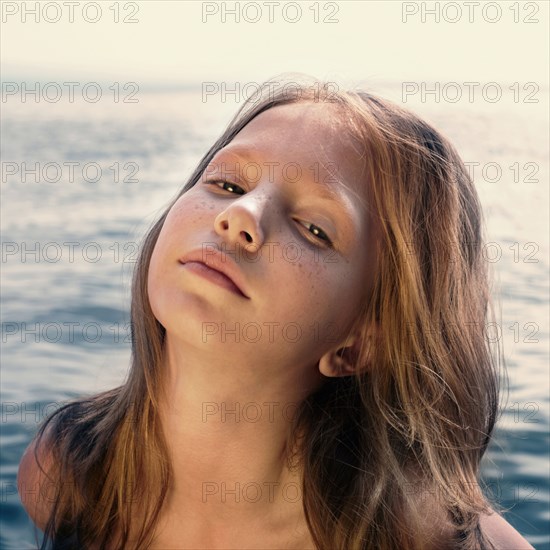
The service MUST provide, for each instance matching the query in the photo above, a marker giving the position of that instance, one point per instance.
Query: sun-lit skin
(321, 293)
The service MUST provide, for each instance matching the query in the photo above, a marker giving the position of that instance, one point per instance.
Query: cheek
(155, 286)
(164, 254)
(340, 295)
(187, 216)
(322, 298)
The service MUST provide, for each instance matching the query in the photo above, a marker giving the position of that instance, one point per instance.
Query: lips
(226, 272)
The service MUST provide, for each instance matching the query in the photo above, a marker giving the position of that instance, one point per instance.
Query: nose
(243, 222)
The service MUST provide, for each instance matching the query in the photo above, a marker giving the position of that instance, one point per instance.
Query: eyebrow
(323, 188)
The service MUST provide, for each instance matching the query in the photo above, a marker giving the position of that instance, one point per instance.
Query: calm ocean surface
(68, 244)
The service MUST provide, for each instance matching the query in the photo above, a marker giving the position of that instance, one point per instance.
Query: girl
(309, 361)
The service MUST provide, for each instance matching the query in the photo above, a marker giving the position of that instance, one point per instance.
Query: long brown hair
(417, 420)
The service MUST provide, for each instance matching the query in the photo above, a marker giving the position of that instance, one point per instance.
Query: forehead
(310, 134)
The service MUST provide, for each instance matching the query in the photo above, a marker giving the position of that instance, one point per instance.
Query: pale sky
(170, 43)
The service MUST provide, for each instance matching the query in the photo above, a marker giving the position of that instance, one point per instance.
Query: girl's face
(273, 206)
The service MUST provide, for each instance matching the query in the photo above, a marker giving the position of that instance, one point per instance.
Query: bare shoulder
(34, 486)
(441, 531)
(493, 526)
(502, 534)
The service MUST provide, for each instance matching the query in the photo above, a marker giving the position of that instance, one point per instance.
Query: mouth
(213, 275)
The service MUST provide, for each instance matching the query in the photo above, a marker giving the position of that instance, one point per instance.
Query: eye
(226, 186)
(318, 232)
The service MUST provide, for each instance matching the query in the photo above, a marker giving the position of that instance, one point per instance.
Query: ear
(343, 360)
(338, 362)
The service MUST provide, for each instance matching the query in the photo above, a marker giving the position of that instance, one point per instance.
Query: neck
(226, 423)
